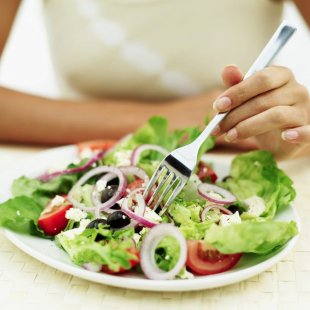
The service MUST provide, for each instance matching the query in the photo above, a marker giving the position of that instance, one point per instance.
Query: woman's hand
(269, 106)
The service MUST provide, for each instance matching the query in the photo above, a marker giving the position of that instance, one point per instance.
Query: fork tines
(170, 177)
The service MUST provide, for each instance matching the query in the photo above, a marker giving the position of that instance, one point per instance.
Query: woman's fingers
(260, 82)
(288, 95)
(297, 135)
(274, 118)
(231, 75)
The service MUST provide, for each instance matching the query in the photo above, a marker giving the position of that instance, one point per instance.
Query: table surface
(30, 284)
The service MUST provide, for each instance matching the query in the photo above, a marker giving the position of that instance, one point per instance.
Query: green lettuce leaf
(186, 215)
(155, 131)
(21, 214)
(167, 253)
(113, 251)
(41, 192)
(251, 236)
(256, 173)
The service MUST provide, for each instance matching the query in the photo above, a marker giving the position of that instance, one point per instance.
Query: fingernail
(216, 131)
(289, 135)
(231, 135)
(222, 104)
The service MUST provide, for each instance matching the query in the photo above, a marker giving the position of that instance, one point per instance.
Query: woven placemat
(26, 283)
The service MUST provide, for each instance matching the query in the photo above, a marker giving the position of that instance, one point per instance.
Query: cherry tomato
(204, 259)
(137, 183)
(206, 173)
(53, 218)
(133, 262)
(95, 145)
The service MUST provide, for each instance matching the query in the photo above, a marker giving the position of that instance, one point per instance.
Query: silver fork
(176, 168)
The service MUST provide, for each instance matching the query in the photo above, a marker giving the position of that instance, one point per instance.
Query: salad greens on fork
(94, 209)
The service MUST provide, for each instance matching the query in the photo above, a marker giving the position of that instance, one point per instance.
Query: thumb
(231, 75)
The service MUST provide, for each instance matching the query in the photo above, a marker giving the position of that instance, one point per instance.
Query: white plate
(47, 252)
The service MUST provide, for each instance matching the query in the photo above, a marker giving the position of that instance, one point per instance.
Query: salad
(95, 210)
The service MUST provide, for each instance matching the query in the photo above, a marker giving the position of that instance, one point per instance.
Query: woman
(137, 58)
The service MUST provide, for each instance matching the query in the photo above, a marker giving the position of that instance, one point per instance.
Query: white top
(155, 49)
(26, 62)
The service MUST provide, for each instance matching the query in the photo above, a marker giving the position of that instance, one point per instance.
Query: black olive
(108, 192)
(226, 178)
(233, 208)
(138, 228)
(116, 207)
(95, 223)
(118, 219)
(114, 181)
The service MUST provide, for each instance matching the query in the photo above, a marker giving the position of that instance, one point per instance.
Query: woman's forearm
(8, 9)
(304, 8)
(32, 119)
(26, 118)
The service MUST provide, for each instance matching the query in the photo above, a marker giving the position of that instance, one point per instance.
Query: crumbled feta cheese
(123, 158)
(256, 205)
(57, 201)
(101, 185)
(75, 214)
(86, 153)
(152, 216)
(136, 237)
(72, 233)
(227, 219)
(83, 224)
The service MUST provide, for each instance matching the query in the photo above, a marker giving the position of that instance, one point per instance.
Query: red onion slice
(48, 176)
(208, 208)
(148, 247)
(225, 197)
(137, 216)
(127, 170)
(145, 147)
(99, 206)
(96, 194)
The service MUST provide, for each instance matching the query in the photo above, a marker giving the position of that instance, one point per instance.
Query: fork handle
(272, 48)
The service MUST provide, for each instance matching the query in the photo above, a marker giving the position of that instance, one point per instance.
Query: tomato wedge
(204, 259)
(95, 145)
(53, 218)
(133, 262)
(206, 173)
(137, 183)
